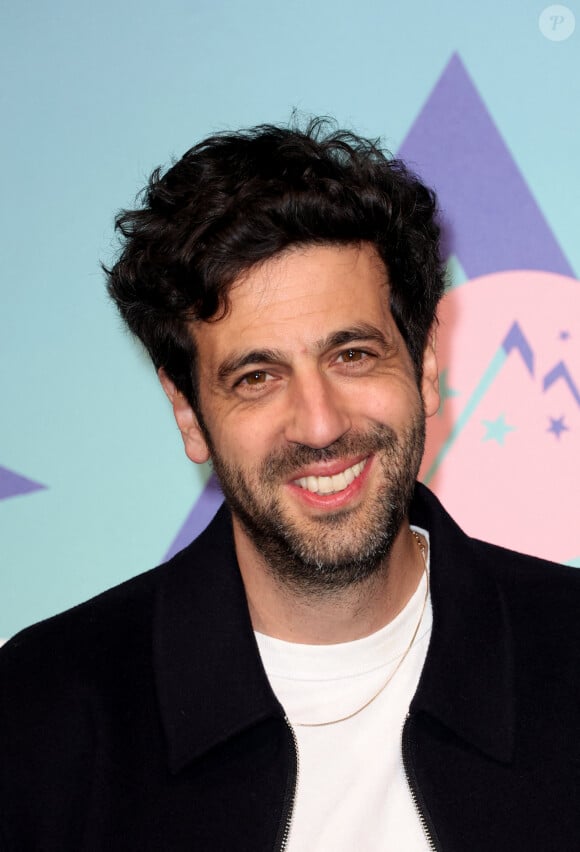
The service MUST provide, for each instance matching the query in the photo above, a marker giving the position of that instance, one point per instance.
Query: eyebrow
(360, 331)
(238, 360)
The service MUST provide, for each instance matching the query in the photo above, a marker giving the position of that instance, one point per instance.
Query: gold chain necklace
(402, 659)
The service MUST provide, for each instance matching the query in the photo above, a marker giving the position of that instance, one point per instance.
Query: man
(332, 617)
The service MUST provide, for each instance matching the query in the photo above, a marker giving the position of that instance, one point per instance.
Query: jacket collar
(211, 682)
(467, 682)
(210, 679)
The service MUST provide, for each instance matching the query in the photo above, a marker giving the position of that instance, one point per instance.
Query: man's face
(311, 414)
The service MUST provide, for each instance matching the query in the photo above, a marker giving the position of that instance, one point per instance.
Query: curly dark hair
(236, 199)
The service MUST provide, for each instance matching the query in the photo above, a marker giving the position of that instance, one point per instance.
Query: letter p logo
(557, 23)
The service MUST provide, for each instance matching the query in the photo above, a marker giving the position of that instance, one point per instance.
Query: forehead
(299, 296)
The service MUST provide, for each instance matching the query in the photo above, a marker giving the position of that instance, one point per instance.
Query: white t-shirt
(351, 792)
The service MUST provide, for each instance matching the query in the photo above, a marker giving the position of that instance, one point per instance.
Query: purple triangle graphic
(492, 221)
(12, 484)
(203, 511)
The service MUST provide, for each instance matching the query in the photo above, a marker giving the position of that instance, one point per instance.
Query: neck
(328, 616)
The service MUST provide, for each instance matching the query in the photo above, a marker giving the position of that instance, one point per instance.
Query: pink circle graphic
(503, 453)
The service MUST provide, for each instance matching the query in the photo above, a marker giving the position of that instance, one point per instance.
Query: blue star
(445, 392)
(497, 429)
(557, 426)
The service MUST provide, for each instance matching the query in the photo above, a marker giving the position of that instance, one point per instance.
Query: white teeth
(326, 485)
(349, 476)
(331, 484)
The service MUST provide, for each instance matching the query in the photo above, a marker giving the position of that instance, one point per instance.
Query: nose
(318, 414)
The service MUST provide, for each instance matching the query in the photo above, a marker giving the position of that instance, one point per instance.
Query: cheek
(386, 402)
(244, 440)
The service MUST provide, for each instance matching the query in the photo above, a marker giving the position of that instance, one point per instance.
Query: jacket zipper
(290, 797)
(418, 800)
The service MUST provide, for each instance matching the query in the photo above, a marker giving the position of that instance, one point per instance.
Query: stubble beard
(331, 551)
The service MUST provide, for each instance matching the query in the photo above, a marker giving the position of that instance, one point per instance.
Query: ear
(194, 442)
(430, 379)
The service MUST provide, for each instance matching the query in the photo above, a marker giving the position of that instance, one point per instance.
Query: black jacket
(143, 719)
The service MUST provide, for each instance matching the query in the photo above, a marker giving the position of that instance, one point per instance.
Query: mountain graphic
(492, 221)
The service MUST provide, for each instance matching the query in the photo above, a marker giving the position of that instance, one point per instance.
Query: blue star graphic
(445, 392)
(557, 426)
(497, 429)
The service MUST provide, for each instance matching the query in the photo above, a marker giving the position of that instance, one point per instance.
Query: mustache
(283, 463)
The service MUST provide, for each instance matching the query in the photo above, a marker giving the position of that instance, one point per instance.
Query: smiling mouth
(331, 484)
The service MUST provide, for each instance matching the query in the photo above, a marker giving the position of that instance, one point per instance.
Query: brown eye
(256, 378)
(352, 355)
